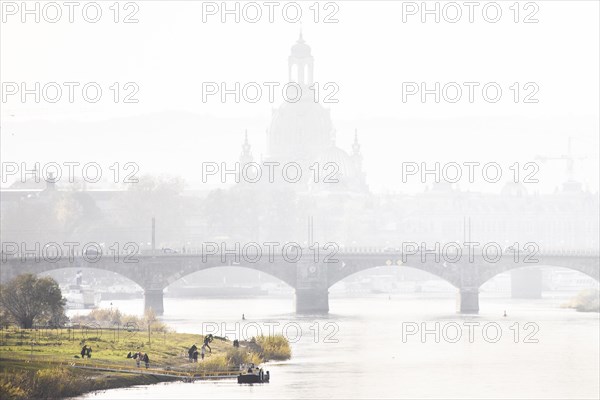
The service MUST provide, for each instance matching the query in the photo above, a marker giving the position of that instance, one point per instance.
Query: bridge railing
(52, 255)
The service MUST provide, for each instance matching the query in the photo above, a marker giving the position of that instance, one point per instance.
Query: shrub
(42, 384)
(274, 347)
(110, 318)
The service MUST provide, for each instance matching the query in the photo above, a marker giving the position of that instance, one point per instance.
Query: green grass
(29, 358)
(41, 382)
(163, 348)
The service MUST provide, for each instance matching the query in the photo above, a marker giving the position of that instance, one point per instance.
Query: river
(359, 351)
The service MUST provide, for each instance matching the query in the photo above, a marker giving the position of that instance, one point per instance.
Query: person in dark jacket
(83, 351)
(207, 339)
(191, 351)
(146, 360)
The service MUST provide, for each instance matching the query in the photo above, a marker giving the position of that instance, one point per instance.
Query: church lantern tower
(301, 64)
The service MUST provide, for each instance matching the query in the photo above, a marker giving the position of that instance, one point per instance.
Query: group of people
(139, 357)
(254, 369)
(86, 351)
(193, 351)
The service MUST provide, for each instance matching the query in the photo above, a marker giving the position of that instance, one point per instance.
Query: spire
(355, 145)
(246, 155)
(357, 159)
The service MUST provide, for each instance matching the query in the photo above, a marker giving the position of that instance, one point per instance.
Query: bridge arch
(12, 270)
(53, 271)
(588, 270)
(188, 272)
(447, 274)
(446, 282)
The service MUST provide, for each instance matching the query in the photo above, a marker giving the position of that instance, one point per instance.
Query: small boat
(81, 297)
(253, 375)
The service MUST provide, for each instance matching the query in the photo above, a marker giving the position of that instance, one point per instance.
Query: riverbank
(46, 363)
(586, 301)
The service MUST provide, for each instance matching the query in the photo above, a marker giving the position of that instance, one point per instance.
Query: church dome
(300, 130)
(300, 49)
(344, 166)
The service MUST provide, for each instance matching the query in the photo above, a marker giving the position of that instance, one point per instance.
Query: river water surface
(359, 351)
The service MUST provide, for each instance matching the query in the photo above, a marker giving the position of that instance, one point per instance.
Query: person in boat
(146, 360)
(191, 351)
(207, 339)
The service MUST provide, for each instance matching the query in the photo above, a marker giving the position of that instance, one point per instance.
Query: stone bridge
(310, 276)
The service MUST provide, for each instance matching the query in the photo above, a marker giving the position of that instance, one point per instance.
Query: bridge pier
(468, 301)
(153, 299)
(312, 300)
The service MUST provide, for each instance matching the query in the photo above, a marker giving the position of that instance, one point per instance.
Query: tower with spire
(246, 154)
(301, 64)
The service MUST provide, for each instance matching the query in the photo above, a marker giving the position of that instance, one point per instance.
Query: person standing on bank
(191, 351)
(209, 338)
(138, 358)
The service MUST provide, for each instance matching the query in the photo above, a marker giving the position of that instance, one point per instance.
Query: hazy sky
(369, 53)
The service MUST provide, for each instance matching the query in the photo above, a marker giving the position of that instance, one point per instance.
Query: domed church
(302, 132)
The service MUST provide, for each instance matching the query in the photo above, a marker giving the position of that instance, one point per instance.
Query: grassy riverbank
(46, 363)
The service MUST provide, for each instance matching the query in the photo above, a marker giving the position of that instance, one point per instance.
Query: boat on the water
(81, 297)
(253, 374)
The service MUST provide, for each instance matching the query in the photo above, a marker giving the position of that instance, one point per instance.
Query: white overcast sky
(369, 53)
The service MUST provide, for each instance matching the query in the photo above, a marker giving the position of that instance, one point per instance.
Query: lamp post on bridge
(153, 235)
